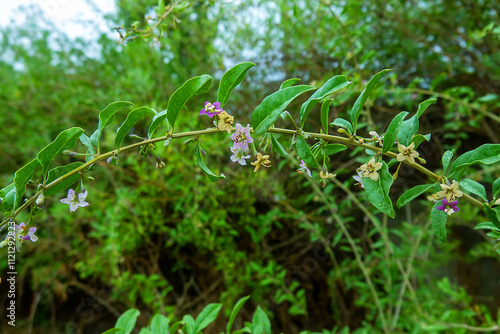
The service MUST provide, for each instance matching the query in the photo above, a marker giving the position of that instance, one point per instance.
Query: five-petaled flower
(242, 137)
(211, 109)
(303, 168)
(74, 201)
(370, 169)
(324, 175)
(407, 153)
(450, 192)
(239, 156)
(225, 122)
(29, 236)
(262, 160)
(448, 206)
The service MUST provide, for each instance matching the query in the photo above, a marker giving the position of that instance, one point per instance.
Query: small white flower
(74, 201)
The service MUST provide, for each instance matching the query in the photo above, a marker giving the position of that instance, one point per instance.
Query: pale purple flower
(359, 179)
(239, 156)
(303, 168)
(30, 235)
(211, 109)
(74, 201)
(448, 206)
(242, 137)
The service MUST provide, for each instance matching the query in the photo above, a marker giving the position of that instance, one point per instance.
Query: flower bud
(40, 200)
(160, 165)
(167, 142)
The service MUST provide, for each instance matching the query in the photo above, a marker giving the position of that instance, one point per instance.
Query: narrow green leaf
(7, 197)
(360, 102)
(325, 110)
(192, 87)
(260, 318)
(230, 80)
(485, 154)
(487, 226)
(66, 140)
(21, 177)
(127, 321)
(190, 324)
(474, 187)
(237, 307)
(422, 107)
(268, 111)
(159, 324)
(133, 117)
(91, 149)
(334, 148)
(446, 159)
(106, 117)
(161, 7)
(343, 123)
(289, 83)
(496, 188)
(492, 214)
(207, 316)
(156, 121)
(392, 131)
(203, 166)
(112, 331)
(331, 86)
(57, 172)
(378, 192)
(419, 139)
(413, 193)
(277, 147)
(175, 326)
(438, 222)
(305, 152)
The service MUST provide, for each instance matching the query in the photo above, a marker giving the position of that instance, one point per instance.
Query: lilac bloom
(239, 156)
(242, 137)
(303, 168)
(31, 232)
(74, 201)
(211, 109)
(448, 206)
(359, 179)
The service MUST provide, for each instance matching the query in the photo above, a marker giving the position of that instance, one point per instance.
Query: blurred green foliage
(169, 241)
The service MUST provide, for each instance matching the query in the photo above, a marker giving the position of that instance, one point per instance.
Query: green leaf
(192, 87)
(21, 177)
(492, 214)
(496, 188)
(237, 307)
(277, 147)
(133, 117)
(7, 197)
(446, 159)
(438, 222)
(331, 86)
(305, 152)
(260, 318)
(485, 154)
(127, 321)
(190, 324)
(230, 80)
(156, 121)
(360, 102)
(203, 166)
(112, 331)
(289, 83)
(175, 326)
(325, 109)
(106, 118)
(413, 193)
(161, 7)
(207, 316)
(91, 149)
(268, 111)
(487, 226)
(334, 148)
(422, 107)
(343, 123)
(378, 192)
(159, 324)
(66, 140)
(474, 187)
(57, 172)
(418, 139)
(392, 131)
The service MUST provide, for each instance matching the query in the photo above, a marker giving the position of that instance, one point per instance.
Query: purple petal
(71, 194)
(206, 102)
(441, 207)
(82, 196)
(216, 105)
(308, 172)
